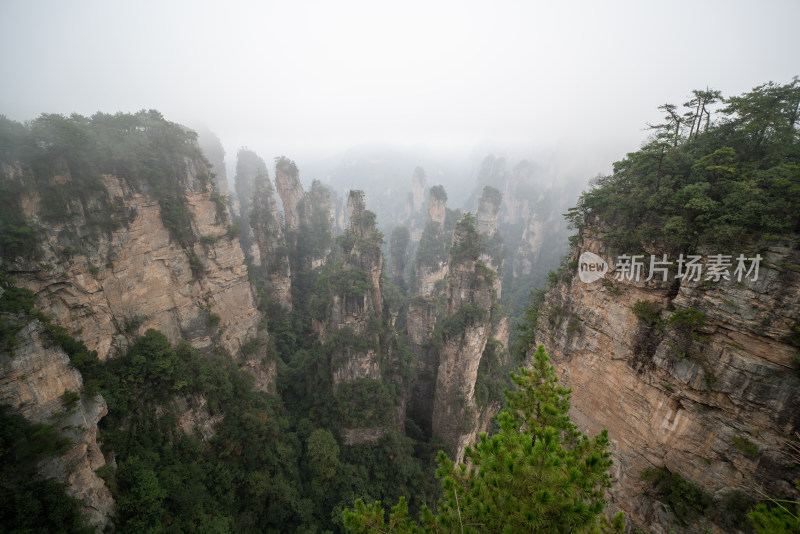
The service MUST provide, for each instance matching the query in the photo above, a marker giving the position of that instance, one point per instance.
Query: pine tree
(538, 473)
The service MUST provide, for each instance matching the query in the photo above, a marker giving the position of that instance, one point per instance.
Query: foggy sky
(294, 77)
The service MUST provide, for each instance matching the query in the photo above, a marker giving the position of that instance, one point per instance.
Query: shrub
(647, 311)
(745, 446)
(686, 500)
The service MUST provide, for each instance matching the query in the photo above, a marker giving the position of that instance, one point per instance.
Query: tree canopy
(703, 181)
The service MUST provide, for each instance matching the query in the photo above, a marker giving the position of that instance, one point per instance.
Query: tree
(538, 473)
(323, 455)
(701, 103)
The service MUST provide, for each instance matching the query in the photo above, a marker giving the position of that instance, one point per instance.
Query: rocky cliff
(355, 292)
(287, 180)
(249, 166)
(267, 227)
(115, 285)
(355, 330)
(118, 241)
(320, 220)
(430, 262)
(426, 306)
(465, 329)
(695, 376)
(34, 378)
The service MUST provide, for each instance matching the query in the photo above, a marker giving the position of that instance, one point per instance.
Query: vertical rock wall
(714, 399)
(33, 377)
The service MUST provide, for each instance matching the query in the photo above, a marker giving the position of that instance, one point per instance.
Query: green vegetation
(434, 246)
(745, 446)
(525, 330)
(686, 500)
(733, 178)
(438, 192)
(398, 251)
(467, 245)
(687, 320)
(733, 510)
(538, 473)
(493, 372)
(17, 308)
(648, 311)
(28, 502)
(781, 517)
(63, 159)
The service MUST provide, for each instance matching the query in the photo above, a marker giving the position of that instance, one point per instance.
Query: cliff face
(249, 166)
(359, 296)
(287, 180)
(268, 232)
(700, 381)
(356, 332)
(320, 219)
(457, 418)
(33, 377)
(437, 205)
(430, 265)
(118, 284)
(430, 268)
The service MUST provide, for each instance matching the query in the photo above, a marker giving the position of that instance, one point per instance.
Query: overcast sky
(301, 75)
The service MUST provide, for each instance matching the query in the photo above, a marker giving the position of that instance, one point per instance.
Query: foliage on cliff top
(438, 192)
(537, 474)
(63, 160)
(492, 195)
(468, 243)
(703, 181)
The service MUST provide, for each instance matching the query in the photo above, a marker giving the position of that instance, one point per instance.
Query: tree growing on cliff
(538, 473)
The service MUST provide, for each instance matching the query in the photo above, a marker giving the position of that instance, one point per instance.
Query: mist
(311, 80)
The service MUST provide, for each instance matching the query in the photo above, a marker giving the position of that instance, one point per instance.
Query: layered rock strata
(695, 376)
(33, 378)
(121, 283)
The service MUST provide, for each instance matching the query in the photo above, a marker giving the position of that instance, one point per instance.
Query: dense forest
(720, 171)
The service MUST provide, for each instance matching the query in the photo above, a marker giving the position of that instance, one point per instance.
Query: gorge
(255, 358)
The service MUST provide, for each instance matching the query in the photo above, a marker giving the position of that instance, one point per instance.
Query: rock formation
(430, 264)
(358, 295)
(355, 328)
(33, 378)
(248, 167)
(398, 247)
(417, 189)
(138, 277)
(426, 306)
(465, 330)
(112, 261)
(319, 221)
(266, 223)
(287, 181)
(693, 376)
(437, 205)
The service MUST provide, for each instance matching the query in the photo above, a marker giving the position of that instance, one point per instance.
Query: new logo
(591, 267)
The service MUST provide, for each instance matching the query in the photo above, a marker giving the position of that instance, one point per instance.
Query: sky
(294, 77)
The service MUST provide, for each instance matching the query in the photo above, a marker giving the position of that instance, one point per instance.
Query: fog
(579, 80)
